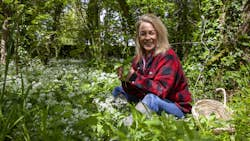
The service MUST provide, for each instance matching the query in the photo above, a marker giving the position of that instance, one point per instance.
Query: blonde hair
(162, 35)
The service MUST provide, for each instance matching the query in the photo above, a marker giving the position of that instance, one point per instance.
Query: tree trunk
(3, 41)
(56, 29)
(128, 22)
(244, 30)
(93, 17)
(93, 24)
(245, 27)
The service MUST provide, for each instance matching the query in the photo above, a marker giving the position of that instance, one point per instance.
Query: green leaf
(7, 1)
(154, 122)
(245, 44)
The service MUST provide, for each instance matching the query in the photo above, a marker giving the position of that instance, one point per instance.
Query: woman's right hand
(120, 72)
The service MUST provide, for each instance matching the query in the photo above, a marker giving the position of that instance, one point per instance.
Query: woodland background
(59, 58)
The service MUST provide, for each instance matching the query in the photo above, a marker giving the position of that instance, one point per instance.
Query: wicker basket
(208, 107)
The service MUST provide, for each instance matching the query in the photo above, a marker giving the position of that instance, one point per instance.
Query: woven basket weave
(208, 107)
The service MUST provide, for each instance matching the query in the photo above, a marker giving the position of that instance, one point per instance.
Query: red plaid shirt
(163, 76)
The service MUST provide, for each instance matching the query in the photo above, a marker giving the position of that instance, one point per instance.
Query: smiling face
(147, 37)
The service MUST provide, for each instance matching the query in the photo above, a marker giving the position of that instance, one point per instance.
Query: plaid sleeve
(166, 70)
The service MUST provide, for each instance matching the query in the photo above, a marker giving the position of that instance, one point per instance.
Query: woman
(156, 77)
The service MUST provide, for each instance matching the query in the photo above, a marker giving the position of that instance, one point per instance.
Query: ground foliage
(68, 100)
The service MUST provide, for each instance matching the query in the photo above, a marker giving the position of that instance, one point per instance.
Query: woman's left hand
(131, 70)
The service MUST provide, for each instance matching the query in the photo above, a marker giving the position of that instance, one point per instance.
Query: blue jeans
(153, 102)
(130, 98)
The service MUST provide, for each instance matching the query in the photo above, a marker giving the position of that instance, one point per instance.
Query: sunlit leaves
(8, 1)
(41, 19)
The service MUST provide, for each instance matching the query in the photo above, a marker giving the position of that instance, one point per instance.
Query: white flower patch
(102, 76)
(51, 102)
(80, 113)
(75, 71)
(112, 75)
(72, 95)
(42, 97)
(36, 85)
(56, 80)
(110, 104)
(28, 106)
(69, 131)
(104, 105)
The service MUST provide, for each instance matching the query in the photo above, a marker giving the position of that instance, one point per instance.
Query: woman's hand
(127, 75)
(131, 71)
(120, 72)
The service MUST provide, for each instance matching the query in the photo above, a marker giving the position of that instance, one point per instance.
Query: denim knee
(158, 105)
(149, 98)
(151, 101)
(117, 90)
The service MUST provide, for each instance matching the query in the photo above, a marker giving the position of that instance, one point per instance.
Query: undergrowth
(67, 100)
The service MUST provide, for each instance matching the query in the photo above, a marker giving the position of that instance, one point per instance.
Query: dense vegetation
(58, 61)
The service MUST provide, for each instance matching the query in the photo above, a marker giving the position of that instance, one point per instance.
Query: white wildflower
(55, 80)
(71, 95)
(75, 71)
(28, 105)
(36, 85)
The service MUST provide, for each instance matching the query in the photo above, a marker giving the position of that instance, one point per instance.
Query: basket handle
(224, 94)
